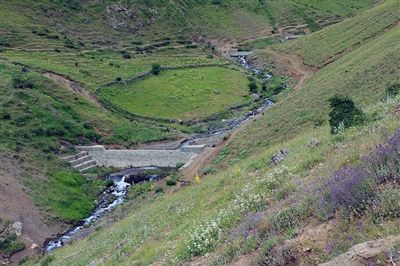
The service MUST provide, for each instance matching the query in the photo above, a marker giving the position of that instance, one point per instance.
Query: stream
(116, 194)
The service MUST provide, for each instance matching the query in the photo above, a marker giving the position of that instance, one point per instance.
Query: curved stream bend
(120, 187)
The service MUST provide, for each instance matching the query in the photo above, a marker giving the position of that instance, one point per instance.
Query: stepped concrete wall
(137, 158)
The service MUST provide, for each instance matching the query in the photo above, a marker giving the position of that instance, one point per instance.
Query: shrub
(155, 68)
(69, 44)
(393, 90)
(173, 180)
(252, 87)
(10, 244)
(387, 205)
(126, 54)
(179, 165)
(285, 220)
(348, 188)
(383, 163)
(343, 114)
(22, 82)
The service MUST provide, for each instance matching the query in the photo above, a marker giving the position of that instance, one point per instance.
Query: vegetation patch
(78, 195)
(181, 94)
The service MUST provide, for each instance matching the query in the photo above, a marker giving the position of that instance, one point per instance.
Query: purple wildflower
(383, 163)
(348, 188)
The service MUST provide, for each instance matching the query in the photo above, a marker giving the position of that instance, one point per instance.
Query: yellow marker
(197, 179)
(237, 170)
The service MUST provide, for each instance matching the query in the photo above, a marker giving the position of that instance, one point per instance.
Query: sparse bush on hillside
(343, 113)
(287, 219)
(387, 205)
(69, 44)
(393, 90)
(126, 54)
(10, 244)
(22, 82)
(252, 86)
(155, 68)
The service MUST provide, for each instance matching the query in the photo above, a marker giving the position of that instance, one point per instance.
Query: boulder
(367, 253)
(278, 157)
(314, 142)
(255, 97)
(16, 227)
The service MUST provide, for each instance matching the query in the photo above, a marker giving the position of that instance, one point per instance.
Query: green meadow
(181, 94)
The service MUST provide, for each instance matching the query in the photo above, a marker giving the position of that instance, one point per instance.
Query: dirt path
(17, 206)
(73, 86)
(296, 64)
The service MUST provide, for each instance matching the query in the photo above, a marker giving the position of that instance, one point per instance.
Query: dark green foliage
(10, 244)
(126, 54)
(173, 180)
(155, 68)
(286, 219)
(343, 113)
(47, 260)
(22, 82)
(69, 44)
(179, 165)
(252, 86)
(393, 90)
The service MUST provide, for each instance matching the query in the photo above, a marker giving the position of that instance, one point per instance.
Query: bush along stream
(113, 196)
(121, 181)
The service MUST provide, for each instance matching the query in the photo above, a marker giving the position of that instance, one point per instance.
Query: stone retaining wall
(137, 158)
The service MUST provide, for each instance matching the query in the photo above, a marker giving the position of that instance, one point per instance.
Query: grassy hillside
(182, 94)
(36, 115)
(252, 208)
(363, 75)
(95, 43)
(329, 44)
(52, 24)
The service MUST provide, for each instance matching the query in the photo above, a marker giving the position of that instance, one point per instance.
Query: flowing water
(120, 187)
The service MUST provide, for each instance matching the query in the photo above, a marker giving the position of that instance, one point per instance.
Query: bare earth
(16, 205)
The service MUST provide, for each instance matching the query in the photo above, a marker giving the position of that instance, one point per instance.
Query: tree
(155, 68)
(252, 87)
(343, 113)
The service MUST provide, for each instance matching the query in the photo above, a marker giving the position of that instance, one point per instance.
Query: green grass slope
(35, 117)
(182, 94)
(330, 43)
(249, 208)
(363, 75)
(45, 24)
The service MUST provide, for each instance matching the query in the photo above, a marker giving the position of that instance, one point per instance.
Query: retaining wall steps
(81, 161)
(86, 166)
(70, 158)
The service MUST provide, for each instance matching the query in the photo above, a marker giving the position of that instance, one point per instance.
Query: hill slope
(362, 74)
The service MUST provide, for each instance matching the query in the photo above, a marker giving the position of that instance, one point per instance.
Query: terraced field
(181, 94)
(329, 44)
(95, 68)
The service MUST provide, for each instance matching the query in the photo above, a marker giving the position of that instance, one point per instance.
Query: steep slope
(56, 54)
(333, 42)
(362, 74)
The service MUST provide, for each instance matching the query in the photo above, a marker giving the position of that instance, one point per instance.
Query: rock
(16, 227)
(314, 142)
(278, 157)
(366, 253)
(255, 96)
(34, 246)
